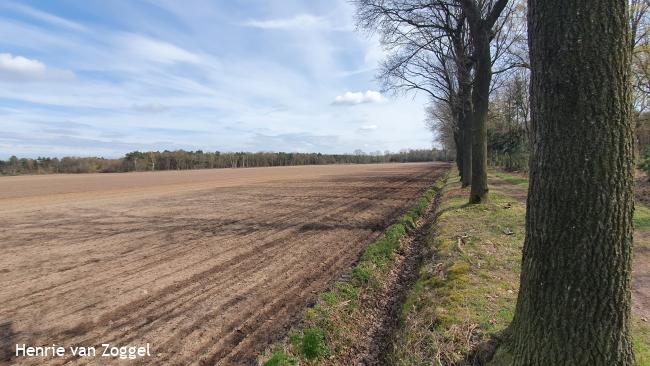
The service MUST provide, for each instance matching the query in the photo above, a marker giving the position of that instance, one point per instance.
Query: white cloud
(19, 64)
(46, 17)
(301, 21)
(141, 74)
(156, 50)
(19, 68)
(352, 98)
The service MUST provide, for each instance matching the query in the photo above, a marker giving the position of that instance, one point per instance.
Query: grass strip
(511, 178)
(329, 328)
(467, 284)
(466, 291)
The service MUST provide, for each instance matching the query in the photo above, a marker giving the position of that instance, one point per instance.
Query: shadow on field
(7, 338)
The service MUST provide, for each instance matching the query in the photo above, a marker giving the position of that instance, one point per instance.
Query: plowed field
(206, 266)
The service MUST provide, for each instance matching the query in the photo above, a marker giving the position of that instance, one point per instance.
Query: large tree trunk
(480, 102)
(574, 300)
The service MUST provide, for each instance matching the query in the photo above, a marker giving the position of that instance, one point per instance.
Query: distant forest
(184, 160)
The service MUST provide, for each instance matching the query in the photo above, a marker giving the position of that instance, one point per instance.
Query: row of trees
(566, 80)
(471, 59)
(183, 160)
(453, 51)
(508, 123)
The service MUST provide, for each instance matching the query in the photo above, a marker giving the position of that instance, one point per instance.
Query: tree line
(184, 160)
(559, 87)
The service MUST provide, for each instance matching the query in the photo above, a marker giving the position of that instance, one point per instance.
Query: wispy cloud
(301, 142)
(352, 98)
(156, 50)
(144, 71)
(301, 21)
(43, 16)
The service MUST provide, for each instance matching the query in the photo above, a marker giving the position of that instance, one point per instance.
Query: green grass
(513, 179)
(466, 290)
(310, 344)
(641, 212)
(641, 217)
(641, 332)
(329, 328)
(279, 358)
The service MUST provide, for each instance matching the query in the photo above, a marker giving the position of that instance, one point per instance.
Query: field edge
(331, 330)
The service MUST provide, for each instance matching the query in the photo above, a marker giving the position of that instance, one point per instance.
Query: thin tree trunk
(464, 108)
(459, 150)
(574, 299)
(466, 123)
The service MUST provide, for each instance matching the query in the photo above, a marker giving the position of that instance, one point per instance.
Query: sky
(102, 78)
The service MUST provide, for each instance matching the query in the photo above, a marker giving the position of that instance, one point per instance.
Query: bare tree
(447, 49)
(640, 46)
(430, 53)
(482, 16)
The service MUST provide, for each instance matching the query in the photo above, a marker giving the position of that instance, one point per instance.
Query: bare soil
(209, 267)
(373, 346)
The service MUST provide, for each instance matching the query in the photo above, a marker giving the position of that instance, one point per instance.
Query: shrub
(312, 344)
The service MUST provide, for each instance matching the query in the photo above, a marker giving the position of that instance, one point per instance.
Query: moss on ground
(467, 287)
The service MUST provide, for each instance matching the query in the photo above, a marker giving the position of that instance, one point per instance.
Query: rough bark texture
(463, 102)
(459, 152)
(480, 101)
(574, 300)
(465, 122)
(481, 20)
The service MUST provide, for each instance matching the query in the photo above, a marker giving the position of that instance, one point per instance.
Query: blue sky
(103, 78)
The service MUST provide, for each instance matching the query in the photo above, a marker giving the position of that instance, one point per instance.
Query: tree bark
(465, 123)
(481, 33)
(574, 300)
(464, 105)
(480, 22)
(459, 152)
(466, 175)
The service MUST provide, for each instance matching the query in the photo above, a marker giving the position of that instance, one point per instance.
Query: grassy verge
(511, 178)
(641, 217)
(330, 328)
(467, 286)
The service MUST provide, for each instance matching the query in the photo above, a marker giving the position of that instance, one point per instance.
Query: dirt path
(208, 271)
(641, 261)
